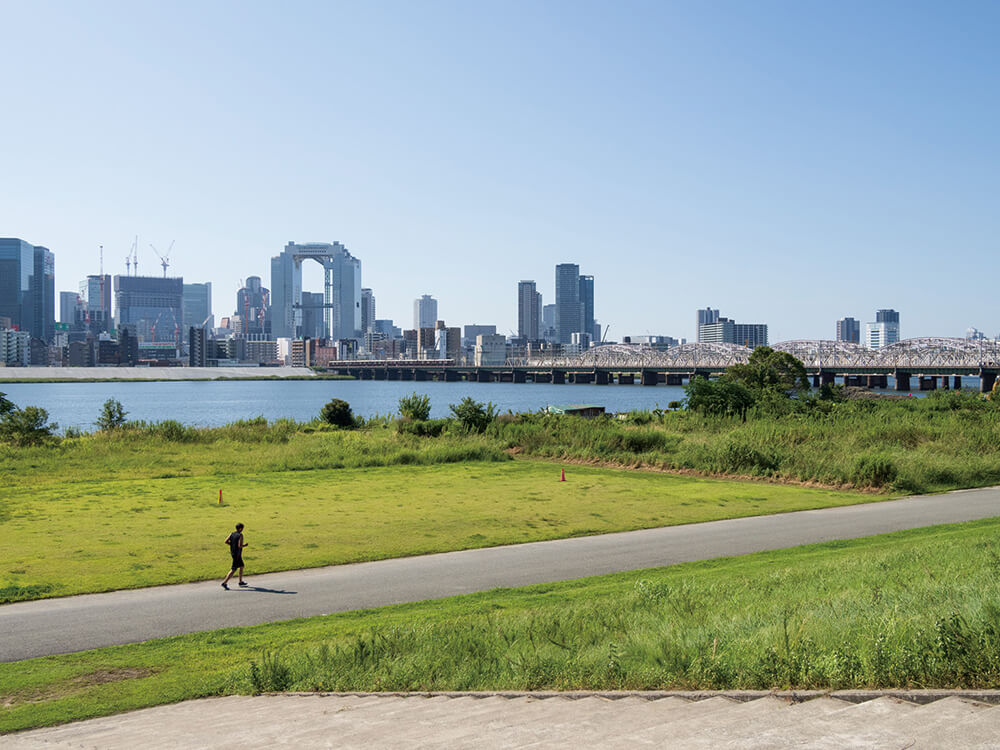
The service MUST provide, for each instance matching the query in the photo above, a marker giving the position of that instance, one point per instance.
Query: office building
(887, 316)
(569, 311)
(253, 307)
(15, 348)
(341, 290)
(388, 330)
(196, 306)
(96, 293)
(881, 333)
(28, 287)
(849, 329)
(70, 309)
(425, 312)
(548, 327)
(471, 331)
(588, 324)
(367, 311)
(152, 307)
(197, 346)
(706, 317)
(726, 331)
(491, 349)
(529, 303)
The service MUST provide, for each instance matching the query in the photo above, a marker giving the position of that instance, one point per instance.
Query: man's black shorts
(237, 561)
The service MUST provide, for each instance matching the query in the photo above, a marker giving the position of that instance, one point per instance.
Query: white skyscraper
(425, 312)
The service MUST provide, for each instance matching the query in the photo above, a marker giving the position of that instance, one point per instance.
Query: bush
(27, 426)
(112, 415)
(738, 456)
(422, 428)
(338, 413)
(474, 416)
(415, 406)
(876, 470)
(720, 397)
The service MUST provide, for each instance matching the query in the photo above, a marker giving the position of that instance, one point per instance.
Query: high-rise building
(589, 325)
(849, 329)
(425, 311)
(96, 292)
(311, 326)
(70, 309)
(253, 306)
(883, 332)
(196, 306)
(341, 290)
(726, 331)
(367, 310)
(706, 317)
(569, 311)
(152, 307)
(529, 303)
(28, 287)
(887, 316)
(549, 322)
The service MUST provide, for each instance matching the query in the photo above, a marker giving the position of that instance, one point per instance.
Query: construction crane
(605, 336)
(164, 259)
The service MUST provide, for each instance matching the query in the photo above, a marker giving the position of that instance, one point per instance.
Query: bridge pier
(855, 381)
(626, 378)
(945, 383)
(827, 378)
(601, 377)
(878, 381)
(419, 375)
(815, 379)
(958, 382)
(902, 381)
(927, 382)
(675, 379)
(542, 377)
(483, 376)
(380, 374)
(649, 377)
(986, 380)
(452, 376)
(558, 377)
(519, 376)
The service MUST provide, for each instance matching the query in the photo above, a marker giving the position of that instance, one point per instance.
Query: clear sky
(786, 162)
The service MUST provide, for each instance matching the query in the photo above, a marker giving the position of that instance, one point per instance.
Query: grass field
(919, 608)
(73, 535)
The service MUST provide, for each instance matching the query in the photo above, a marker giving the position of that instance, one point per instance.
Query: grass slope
(910, 609)
(96, 535)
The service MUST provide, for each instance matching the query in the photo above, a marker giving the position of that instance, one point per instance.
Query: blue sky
(786, 162)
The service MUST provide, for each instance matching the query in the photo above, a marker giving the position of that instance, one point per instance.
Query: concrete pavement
(52, 626)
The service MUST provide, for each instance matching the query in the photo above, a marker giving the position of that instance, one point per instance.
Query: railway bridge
(913, 364)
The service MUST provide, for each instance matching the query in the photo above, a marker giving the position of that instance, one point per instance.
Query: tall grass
(945, 441)
(895, 612)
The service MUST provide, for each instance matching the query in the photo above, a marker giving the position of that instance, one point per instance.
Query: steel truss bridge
(917, 355)
(928, 360)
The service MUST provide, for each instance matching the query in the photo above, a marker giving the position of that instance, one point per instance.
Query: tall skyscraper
(341, 290)
(151, 307)
(96, 292)
(253, 306)
(28, 287)
(706, 317)
(849, 329)
(589, 325)
(425, 312)
(367, 310)
(883, 332)
(70, 308)
(529, 303)
(569, 311)
(196, 306)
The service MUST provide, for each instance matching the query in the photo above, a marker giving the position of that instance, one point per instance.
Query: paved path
(453, 722)
(54, 626)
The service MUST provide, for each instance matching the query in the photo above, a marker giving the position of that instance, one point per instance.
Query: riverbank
(116, 374)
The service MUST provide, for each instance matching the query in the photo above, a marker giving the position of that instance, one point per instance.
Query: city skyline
(840, 158)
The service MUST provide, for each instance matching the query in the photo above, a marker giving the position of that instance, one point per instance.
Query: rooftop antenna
(135, 256)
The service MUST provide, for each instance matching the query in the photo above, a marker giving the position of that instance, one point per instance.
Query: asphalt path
(77, 623)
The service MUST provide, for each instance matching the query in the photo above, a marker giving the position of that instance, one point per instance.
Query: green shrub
(474, 416)
(112, 415)
(416, 407)
(876, 470)
(27, 426)
(422, 428)
(739, 456)
(338, 413)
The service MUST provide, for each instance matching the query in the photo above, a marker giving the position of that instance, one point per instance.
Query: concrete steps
(567, 721)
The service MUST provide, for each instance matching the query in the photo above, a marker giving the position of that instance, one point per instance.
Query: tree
(337, 412)
(768, 370)
(27, 426)
(112, 415)
(6, 405)
(721, 397)
(415, 407)
(474, 416)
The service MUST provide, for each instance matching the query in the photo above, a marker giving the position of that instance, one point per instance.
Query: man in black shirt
(236, 544)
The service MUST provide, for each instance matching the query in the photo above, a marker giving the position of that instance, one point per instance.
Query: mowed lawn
(88, 536)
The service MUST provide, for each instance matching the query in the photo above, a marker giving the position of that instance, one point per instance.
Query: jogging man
(236, 544)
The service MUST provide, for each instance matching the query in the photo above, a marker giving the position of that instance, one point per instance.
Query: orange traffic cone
(563, 477)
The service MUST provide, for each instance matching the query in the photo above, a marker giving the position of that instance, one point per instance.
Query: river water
(214, 403)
